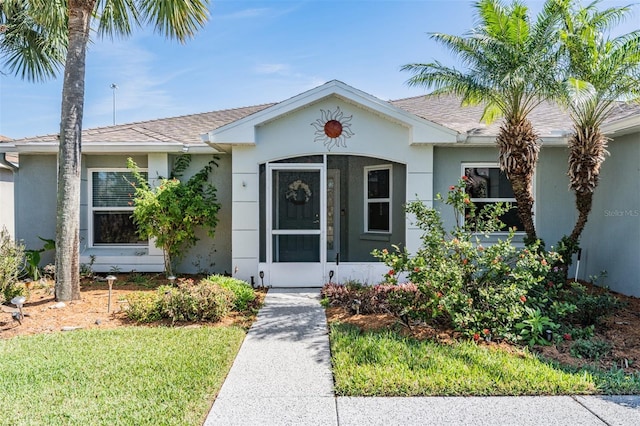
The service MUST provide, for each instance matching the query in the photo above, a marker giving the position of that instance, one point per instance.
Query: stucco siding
(555, 213)
(35, 195)
(212, 255)
(611, 239)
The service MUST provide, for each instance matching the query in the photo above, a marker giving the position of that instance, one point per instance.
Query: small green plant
(86, 269)
(33, 258)
(592, 306)
(114, 269)
(535, 327)
(590, 349)
(11, 263)
(243, 292)
(139, 279)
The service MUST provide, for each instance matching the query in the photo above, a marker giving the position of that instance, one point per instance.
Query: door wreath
(298, 192)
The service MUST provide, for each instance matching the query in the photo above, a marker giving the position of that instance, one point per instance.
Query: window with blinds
(487, 184)
(111, 207)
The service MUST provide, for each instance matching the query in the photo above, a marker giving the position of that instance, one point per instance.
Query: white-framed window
(487, 184)
(111, 207)
(377, 198)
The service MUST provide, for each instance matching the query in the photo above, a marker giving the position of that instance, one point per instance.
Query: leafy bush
(173, 211)
(590, 349)
(591, 306)
(188, 301)
(144, 307)
(11, 264)
(203, 301)
(243, 292)
(481, 290)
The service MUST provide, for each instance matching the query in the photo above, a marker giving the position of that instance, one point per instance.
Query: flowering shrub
(482, 290)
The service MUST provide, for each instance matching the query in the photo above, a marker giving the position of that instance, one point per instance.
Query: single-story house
(311, 185)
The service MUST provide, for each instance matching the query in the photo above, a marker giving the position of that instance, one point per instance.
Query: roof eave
(114, 147)
(490, 141)
(622, 127)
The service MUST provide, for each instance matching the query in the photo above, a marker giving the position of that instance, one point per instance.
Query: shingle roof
(183, 129)
(548, 119)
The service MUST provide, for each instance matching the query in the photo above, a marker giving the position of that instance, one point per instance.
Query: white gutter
(118, 147)
(7, 163)
(626, 125)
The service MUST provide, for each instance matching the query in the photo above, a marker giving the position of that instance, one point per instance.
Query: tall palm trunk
(68, 203)
(587, 151)
(519, 151)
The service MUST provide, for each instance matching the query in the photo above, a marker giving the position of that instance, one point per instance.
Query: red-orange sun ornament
(333, 128)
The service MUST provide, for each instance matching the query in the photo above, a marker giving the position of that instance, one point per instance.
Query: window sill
(369, 236)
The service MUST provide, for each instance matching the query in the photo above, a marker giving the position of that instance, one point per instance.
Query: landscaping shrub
(144, 307)
(590, 349)
(482, 290)
(404, 301)
(11, 264)
(187, 301)
(591, 306)
(243, 292)
(202, 301)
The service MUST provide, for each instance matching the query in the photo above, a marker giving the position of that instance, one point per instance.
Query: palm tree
(175, 19)
(30, 48)
(601, 72)
(510, 68)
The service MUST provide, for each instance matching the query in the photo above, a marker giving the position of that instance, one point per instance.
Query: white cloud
(282, 69)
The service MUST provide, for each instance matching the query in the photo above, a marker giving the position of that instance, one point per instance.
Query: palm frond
(179, 20)
(32, 44)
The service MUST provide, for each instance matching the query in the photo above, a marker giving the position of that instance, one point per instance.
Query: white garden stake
(110, 280)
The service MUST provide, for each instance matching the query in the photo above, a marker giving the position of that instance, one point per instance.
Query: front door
(295, 224)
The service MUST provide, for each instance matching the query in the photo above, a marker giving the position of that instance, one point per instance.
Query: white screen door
(296, 224)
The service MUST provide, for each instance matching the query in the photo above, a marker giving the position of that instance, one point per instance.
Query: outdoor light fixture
(185, 147)
(110, 279)
(172, 279)
(261, 278)
(19, 301)
(330, 276)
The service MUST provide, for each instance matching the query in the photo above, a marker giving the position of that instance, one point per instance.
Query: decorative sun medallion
(333, 128)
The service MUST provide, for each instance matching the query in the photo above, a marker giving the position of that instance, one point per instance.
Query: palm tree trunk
(68, 202)
(583, 205)
(519, 150)
(587, 152)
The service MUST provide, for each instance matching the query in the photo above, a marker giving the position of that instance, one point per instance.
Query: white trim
(278, 270)
(243, 131)
(91, 208)
(368, 200)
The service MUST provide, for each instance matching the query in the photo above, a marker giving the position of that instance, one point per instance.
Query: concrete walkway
(282, 376)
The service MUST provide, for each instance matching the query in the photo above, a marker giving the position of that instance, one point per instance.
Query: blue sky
(250, 52)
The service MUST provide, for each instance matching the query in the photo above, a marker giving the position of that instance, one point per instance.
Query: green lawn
(127, 376)
(383, 363)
